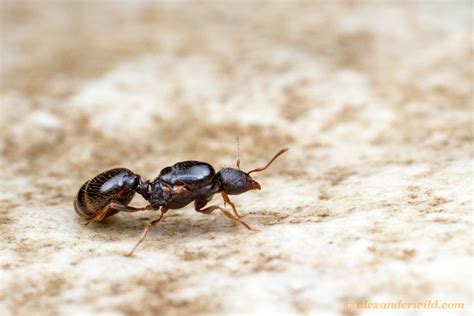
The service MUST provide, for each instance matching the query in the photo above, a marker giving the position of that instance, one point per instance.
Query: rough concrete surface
(373, 203)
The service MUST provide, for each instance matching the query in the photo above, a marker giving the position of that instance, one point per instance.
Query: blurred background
(372, 202)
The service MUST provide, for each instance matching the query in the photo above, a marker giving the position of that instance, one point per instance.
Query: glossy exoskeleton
(175, 187)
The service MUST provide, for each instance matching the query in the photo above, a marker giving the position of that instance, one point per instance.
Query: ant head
(236, 181)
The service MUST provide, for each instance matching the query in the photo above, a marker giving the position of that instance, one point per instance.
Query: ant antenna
(284, 150)
(238, 153)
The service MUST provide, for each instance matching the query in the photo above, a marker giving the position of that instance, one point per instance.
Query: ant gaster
(175, 187)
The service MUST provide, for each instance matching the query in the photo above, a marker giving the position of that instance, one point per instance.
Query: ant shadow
(125, 226)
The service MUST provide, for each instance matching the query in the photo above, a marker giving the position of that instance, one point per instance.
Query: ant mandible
(175, 187)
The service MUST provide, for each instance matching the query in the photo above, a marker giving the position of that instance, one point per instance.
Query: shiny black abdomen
(192, 174)
(112, 185)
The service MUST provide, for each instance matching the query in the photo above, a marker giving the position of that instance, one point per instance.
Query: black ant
(175, 187)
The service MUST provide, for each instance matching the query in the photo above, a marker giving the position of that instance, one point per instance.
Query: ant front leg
(232, 205)
(145, 231)
(199, 204)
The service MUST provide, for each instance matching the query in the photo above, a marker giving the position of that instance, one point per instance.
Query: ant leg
(145, 231)
(235, 218)
(113, 208)
(211, 208)
(227, 201)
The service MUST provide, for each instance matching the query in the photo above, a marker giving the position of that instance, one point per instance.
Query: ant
(175, 187)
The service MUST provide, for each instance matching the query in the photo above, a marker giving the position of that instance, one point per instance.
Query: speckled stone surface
(372, 203)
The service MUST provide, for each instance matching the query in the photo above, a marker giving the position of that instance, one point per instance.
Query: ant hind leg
(146, 230)
(113, 208)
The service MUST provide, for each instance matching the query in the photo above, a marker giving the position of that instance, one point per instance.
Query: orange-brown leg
(145, 231)
(211, 208)
(228, 201)
(113, 208)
